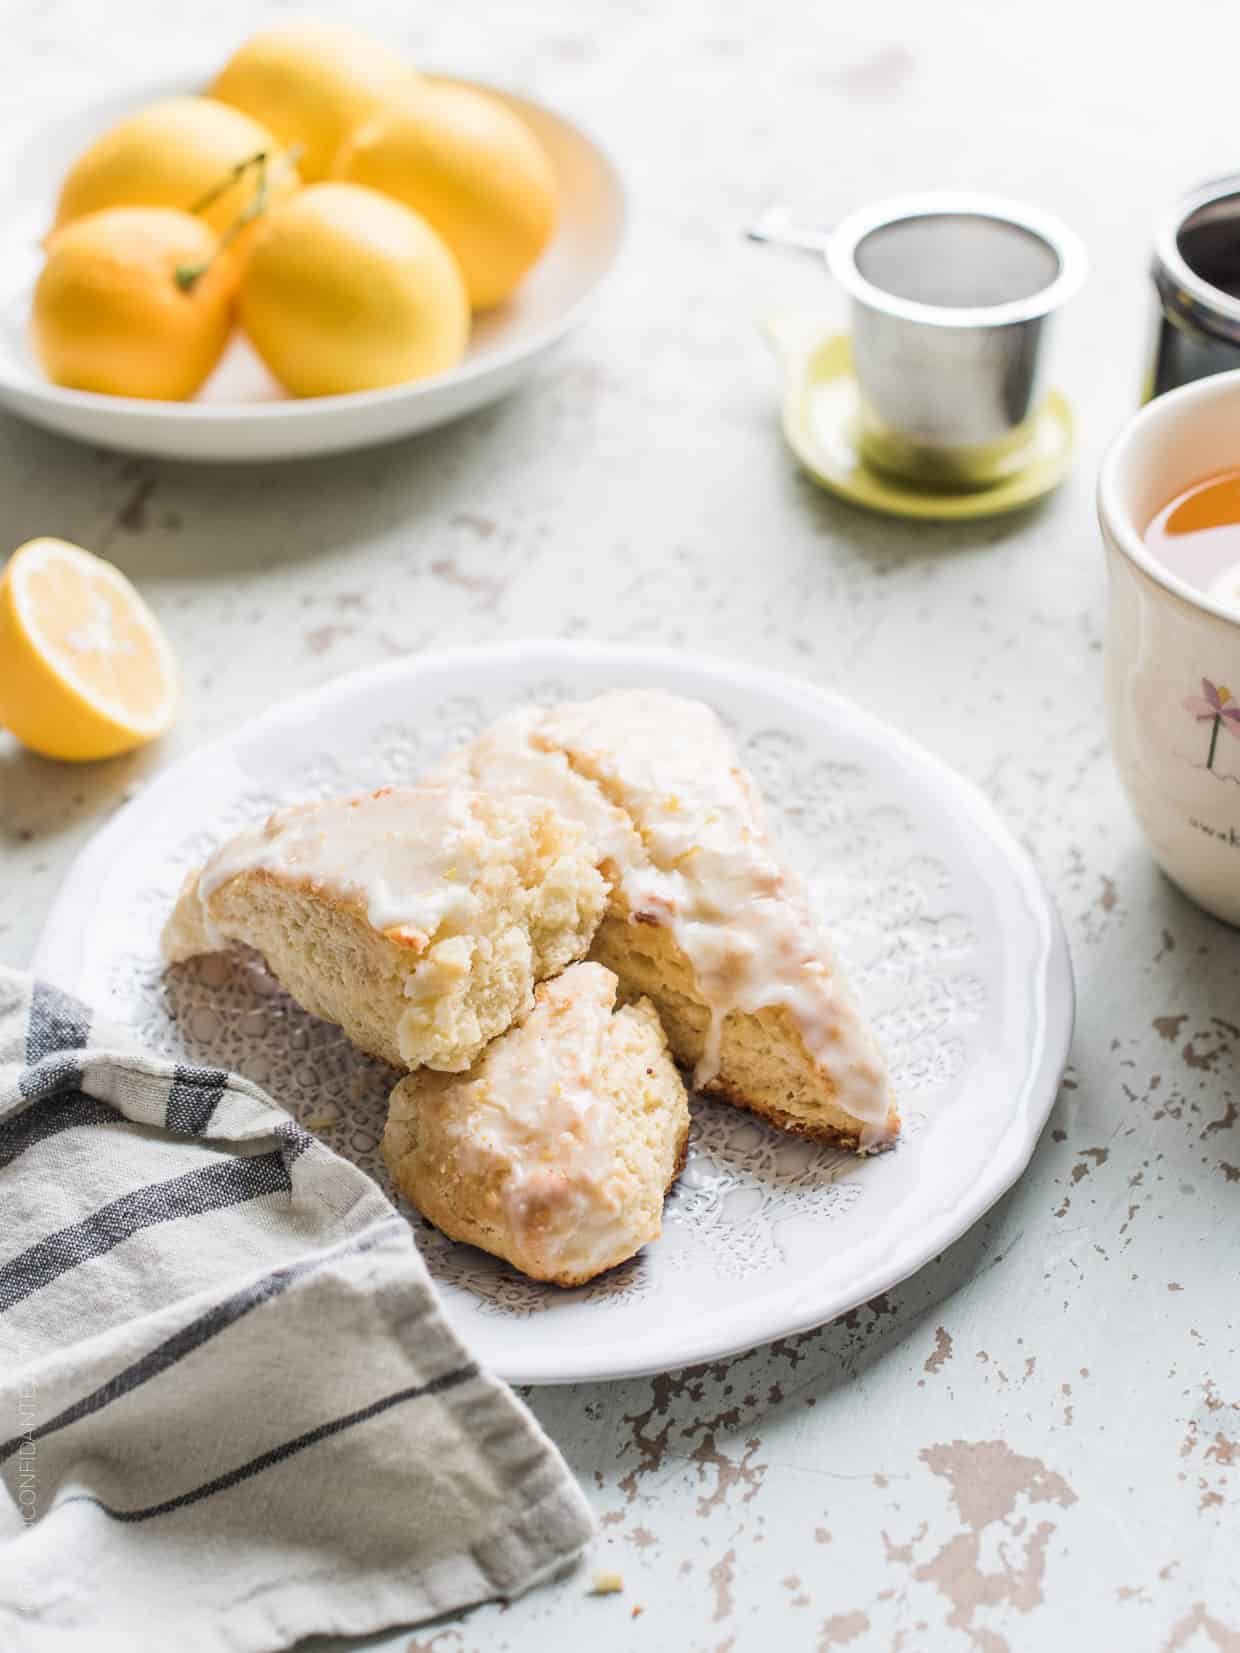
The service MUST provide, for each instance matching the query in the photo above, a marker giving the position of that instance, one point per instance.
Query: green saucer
(820, 417)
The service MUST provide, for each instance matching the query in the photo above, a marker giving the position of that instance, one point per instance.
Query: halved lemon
(85, 671)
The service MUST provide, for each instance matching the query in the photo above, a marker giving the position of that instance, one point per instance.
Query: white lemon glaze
(506, 760)
(682, 830)
(535, 1114)
(410, 856)
(484, 896)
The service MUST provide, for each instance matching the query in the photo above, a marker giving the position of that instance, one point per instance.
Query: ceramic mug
(1172, 652)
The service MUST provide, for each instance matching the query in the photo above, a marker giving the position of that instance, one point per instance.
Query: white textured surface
(1031, 1444)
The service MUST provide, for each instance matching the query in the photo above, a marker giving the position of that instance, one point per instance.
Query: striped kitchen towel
(231, 1411)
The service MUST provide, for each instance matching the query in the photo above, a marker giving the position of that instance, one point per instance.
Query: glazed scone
(418, 918)
(704, 917)
(556, 1149)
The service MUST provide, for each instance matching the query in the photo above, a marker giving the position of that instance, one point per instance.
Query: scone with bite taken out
(419, 918)
(705, 919)
(556, 1149)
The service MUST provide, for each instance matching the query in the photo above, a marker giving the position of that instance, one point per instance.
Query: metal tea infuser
(952, 295)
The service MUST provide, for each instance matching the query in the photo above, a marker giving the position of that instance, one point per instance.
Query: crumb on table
(607, 1583)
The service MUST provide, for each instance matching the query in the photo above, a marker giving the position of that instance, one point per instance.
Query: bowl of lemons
(319, 248)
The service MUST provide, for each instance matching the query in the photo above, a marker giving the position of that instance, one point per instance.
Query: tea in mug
(1197, 536)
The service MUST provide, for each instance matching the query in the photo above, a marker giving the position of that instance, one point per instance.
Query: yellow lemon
(173, 154)
(110, 313)
(348, 290)
(311, 84)
(475, 172)
(85, 671)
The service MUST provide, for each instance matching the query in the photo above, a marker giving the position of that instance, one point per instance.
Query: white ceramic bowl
(241, 413)
(1173, 653)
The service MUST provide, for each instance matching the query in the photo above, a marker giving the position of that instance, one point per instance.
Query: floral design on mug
(1219, 708)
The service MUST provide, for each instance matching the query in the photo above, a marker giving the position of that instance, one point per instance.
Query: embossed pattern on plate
(952, 945)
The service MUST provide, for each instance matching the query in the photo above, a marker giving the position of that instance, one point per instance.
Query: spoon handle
(775, 229)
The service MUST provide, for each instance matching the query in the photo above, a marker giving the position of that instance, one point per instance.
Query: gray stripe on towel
(230, 1182)
(278, 1454)
(57, 1022)
(207, 1326)
(49, 1116)
(193, 1098)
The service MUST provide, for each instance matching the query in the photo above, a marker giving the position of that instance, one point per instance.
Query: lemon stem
(186, 275)
(259, 158)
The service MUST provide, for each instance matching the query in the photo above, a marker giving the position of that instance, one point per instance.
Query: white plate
(953, 944)
(241, 413)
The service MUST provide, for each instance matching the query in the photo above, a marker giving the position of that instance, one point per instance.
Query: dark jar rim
(1187, 297)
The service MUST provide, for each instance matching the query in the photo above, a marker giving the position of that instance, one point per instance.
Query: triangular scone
(704, 919)
(418, 918)
(556, 1149)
